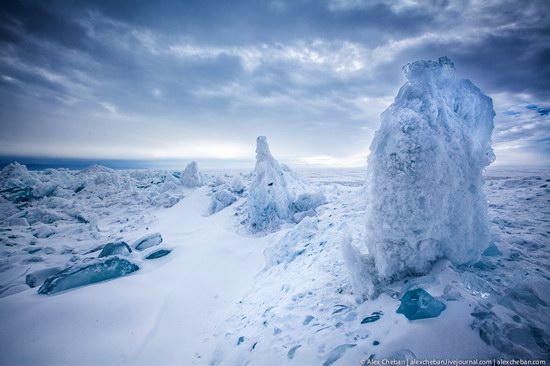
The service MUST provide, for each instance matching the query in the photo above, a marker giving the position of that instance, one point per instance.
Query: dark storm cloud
(312, 74)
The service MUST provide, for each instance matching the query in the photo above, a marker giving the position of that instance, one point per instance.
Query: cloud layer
(201, 79)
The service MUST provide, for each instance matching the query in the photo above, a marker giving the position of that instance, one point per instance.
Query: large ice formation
(424, 175)
(191, 177)
(270, 199)
(273, 191)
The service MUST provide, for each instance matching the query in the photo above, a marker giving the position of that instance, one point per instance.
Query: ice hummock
(221, 200)
(270, 199)
(424, 175)
(273, 191)
(86, 274)
(191, 177)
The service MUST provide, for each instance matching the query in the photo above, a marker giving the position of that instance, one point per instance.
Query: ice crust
(424, 177)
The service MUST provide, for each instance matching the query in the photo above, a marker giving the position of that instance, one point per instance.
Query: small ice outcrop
(43, 231)
(158, 254)
(337, 353)
(236, 185)
(148, 241)
(221, 200)
(86, 274)
(418, 304)
(191, 177)
(270, 199)
(292, 245)
(19, 185)
(424, 175)
(306, 203)
(118, 248)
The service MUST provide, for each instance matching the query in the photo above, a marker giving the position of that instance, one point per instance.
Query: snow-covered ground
(225, 296)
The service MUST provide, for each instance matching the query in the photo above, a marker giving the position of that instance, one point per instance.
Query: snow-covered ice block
(191, 177)
(16, 221)
(292, 245)
(236, 185)
(148, 241)
(37, 278)
(309, 201)
(424, 174)
(86, 274)
(118, 248)
(43, 231)
(221, 200)
(418, 304)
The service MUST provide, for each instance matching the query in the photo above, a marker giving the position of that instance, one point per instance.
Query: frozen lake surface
(222, 296)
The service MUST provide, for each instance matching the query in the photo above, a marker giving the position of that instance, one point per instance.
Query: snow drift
(424, 177)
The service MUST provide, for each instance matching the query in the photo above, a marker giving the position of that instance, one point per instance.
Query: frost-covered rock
(86, 274)
(148, 241)
(191, 177)
(424, 177)
(271, 197)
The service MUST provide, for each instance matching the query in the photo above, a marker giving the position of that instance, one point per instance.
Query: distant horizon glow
(200, 80)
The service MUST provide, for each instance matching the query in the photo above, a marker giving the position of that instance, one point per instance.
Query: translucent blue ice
(157, 254)
(86, 274)
(36, 278)
(418, 304)
(118, 248)
(148, 241)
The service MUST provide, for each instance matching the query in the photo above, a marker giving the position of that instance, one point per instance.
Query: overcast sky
(201, 79)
